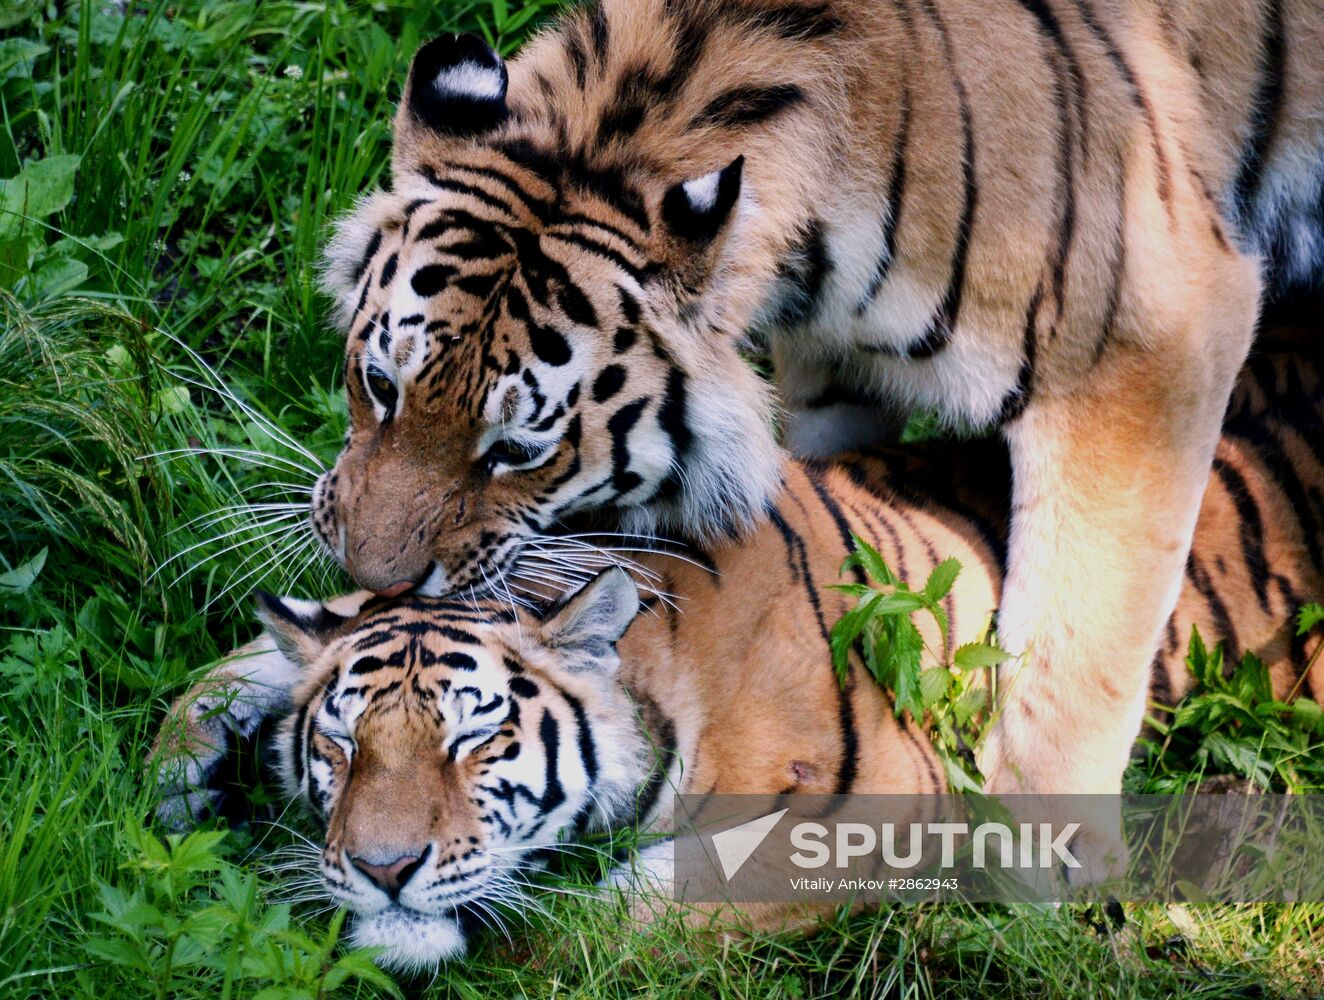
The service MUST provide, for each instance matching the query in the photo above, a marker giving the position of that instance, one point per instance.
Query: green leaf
(846, 631)
(117, 951)
(1308, 617)
(970, 702)
(939, 583)
(51, 278)
(1308, 716)
(40, 189)
(902, 602)
(1251, 680)
(870, 560)
(360, 964)
(16, 55)
(960, 779)
(904, 655)
(21, 578)
(933, 685)
(978, 656)
(1205, 665)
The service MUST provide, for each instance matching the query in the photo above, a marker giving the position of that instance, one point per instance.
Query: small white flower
(294, 72)
(185, 176)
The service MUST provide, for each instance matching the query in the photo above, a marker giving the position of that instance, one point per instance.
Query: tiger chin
(443, 744)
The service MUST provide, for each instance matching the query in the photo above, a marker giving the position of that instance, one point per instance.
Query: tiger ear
(695, 210)
(300, 629)
(457, 87)
(586, 625)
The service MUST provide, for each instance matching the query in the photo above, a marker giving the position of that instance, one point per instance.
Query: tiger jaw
(419, 928)
(411, 941)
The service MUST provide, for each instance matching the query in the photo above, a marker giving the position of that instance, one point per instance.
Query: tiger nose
(392, 876)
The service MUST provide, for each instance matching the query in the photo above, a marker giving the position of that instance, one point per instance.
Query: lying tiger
(443, 742)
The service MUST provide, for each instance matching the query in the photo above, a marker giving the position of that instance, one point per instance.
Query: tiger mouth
(411, 941)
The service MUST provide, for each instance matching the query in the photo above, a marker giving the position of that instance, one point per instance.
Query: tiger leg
(251, 684)
(231, 702)
(1108, 476)
(825, 414)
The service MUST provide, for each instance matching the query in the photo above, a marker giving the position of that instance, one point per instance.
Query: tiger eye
(383, 389)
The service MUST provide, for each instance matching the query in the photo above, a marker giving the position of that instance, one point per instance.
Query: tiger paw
(190, 749)
(1102, 858)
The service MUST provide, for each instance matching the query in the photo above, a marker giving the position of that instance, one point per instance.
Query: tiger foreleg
(230, 703)
(1108, 477)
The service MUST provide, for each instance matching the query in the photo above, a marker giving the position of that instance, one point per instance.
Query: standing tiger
(445, 741)
(1053, 216)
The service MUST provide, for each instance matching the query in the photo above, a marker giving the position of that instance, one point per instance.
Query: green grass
(170, 177)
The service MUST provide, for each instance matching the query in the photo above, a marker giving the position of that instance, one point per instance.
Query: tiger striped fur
(1050, 215)
(444, 741)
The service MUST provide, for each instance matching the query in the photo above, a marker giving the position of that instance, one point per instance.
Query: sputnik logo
(734, 846)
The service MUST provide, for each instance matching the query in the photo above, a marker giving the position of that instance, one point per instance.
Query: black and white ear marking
(300, 629)
(457, 86)
(695, 210)
(588, 623)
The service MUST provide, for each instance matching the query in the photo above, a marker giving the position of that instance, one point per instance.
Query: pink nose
(396, 589)
(392, 876)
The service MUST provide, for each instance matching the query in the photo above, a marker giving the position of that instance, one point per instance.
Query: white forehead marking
(702, 191)
(469, 80)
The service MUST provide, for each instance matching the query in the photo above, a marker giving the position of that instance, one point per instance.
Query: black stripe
(536, 206)
(608, 383)
(297, 744)
(588, 754)
(1251, 529)
(621, 120)
(814, 473)
(388, 270)
(460, 187)
(1223, 630)
(431, 279)
(690, 39)
(1019, 397)
(660, 731)
(1049, 25)
(581, 219)
(1160, 687)
(619, 425)
(549, 733)
(374, 244)
(939, 334)
(672, 416)
(1266, 109)
(896, 189)
(1284, 474)
(548, 345)
(601, 250)
(608, 183)
(1138, 98)
(600, 32)
(743, 106)
(794, 20)
(802, 273)
(574, 50)
(796, 553)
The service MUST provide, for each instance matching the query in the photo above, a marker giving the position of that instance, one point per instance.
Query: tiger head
(527, 341)
(442, 743)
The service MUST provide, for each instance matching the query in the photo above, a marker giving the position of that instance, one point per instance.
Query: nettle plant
(944, 690)
(192, 917)
(1231, 724)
